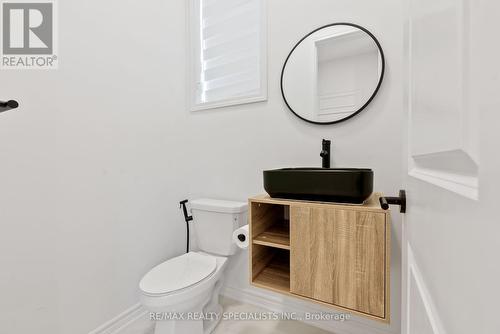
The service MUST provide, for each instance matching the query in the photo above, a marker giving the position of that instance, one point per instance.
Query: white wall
(90, 167)
(95, 161)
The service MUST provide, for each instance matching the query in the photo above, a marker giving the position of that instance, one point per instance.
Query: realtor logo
(28, 35)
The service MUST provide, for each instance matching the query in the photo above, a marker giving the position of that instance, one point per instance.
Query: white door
(452, 226)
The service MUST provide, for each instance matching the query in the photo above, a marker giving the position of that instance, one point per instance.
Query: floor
(260, 327)
(248, 327)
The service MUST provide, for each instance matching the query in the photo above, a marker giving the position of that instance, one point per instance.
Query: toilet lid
(178, 273)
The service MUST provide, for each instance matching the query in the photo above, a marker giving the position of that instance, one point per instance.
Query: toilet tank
(215, 222)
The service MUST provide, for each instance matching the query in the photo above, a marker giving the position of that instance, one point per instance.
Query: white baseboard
(132, 321)
(135, 320)
(280, 303)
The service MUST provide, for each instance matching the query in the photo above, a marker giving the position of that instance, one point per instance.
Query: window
(227, 53)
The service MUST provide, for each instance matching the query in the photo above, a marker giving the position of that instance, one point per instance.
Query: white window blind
(228, 52)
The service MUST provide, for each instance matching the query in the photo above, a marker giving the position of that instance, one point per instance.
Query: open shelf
(270, 246)
(278, 236)
(276, 273)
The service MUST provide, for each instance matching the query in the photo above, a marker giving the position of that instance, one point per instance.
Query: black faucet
(325, 154)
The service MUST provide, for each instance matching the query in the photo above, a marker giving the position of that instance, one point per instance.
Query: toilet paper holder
(241, 237)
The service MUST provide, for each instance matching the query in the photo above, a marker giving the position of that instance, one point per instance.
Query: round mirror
(332, 73)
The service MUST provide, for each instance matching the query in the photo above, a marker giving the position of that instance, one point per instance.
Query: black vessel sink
(343, 185)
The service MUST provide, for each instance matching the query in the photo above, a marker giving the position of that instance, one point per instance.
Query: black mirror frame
(367, 102)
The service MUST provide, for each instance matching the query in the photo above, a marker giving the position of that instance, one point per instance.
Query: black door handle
(8, 105)
(401, 201)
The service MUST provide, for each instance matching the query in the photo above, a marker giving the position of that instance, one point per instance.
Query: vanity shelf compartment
(270, 224)
(270, 246)
(278, 236)
(273, 272)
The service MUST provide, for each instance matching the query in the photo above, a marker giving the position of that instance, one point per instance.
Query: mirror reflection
(332, 74)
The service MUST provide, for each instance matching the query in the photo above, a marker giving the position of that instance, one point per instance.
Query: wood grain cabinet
(334, 254)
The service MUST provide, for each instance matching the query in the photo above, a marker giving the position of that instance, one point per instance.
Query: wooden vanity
(333, 254)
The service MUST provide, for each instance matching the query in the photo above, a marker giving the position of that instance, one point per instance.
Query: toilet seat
(178, 273)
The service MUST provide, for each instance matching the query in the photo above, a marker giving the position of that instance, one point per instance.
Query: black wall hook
(401, 201)
(8, 105)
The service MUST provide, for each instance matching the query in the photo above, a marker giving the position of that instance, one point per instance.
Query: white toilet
(183, 292)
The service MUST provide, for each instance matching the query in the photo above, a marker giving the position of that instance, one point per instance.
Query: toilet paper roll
(241, 237)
